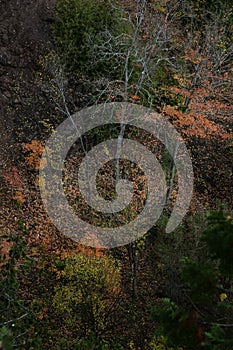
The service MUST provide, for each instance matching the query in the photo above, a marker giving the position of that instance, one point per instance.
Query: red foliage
(13, 178)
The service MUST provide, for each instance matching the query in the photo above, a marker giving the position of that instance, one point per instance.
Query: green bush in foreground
(204, 319)
(84, 296)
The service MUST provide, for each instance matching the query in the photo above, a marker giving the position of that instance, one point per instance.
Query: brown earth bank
(25, 34)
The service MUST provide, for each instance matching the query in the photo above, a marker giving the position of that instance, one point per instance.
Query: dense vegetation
(164, 291)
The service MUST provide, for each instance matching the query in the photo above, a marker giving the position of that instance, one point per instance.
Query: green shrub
(219, 238)
(173, 325)
(6, 338)
(193, 317)
(93, 343)
(85, 294)
(160, 343)
(18, 315)
(83, 30)
(202, 280)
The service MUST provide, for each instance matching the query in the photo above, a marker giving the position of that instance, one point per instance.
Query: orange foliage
(13, 178)
(19, 197)
(135, 98)
(202, 117)
(5, 248)
(88, 251)
(206, 96)
(36, 148)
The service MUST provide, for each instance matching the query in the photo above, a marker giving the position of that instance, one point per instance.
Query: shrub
(176, 325)
(18, 315)
(86, 292)
(6, 338)
(83, 26)
(219, 238)
(195, 321)
(93, 343)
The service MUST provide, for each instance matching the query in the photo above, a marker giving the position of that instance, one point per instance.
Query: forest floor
(25, 115)
(28, 114)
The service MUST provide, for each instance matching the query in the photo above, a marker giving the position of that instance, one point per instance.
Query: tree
(204, 318)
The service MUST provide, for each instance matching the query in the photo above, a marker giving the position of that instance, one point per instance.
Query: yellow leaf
(223, 296)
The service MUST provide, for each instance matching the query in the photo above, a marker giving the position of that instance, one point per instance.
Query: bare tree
(137, 55)
(207, 51)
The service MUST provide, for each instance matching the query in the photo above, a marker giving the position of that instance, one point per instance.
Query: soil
(25, 33)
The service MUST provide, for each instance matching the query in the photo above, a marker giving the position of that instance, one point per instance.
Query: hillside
(191, 89)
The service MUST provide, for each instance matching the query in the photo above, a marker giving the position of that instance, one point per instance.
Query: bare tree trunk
(133, 264)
